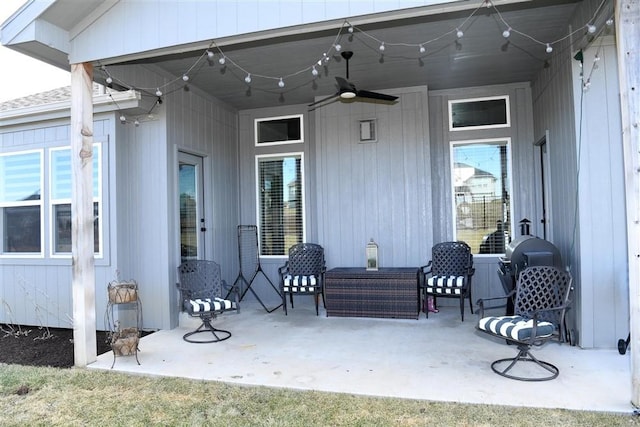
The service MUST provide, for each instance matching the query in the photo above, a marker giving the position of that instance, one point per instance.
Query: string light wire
(208, 54)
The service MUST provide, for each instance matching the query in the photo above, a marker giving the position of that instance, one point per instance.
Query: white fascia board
(55, 110)
(21, 19)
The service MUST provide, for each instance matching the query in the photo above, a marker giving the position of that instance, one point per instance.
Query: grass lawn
(50, 396)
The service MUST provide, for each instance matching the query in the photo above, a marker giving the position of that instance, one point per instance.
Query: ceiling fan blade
(375, 95)
(324, 99)
(344, 85)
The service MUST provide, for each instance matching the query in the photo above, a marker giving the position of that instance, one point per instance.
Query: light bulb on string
(350, 29)
(506, 33)
(210, 54)
(422, 49)
(609, 22)
(314, 71)
(381, 47)
(248, 79)
(549, 48)
(281, 82)
(136, 122)
(109, 80)
(185, 78)
(591, 28)
(459, 33)
(338, 47)
(158, 92)
(222, 60)
(123, 119)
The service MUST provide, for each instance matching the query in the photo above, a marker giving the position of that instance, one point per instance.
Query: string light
(209, 54)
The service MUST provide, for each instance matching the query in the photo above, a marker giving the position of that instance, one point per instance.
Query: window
(279, 130)
(280, 202)
(21, 202)
(479, 113)
(60, 196)
(481, 178)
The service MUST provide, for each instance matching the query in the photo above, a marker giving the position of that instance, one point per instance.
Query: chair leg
(525, 356)
(207, 327)
(284, 302)
(462, 307)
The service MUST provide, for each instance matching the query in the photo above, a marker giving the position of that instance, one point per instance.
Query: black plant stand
(250, 262)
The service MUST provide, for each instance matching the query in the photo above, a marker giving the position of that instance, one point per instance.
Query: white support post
(83, 275)
(627, 39)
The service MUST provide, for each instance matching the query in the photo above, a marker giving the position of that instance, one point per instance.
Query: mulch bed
(33, 346)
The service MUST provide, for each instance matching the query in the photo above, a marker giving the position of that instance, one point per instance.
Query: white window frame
(302, 197)
(40, 203)
(486, 98)
(256, 123)
(97, 151)
(452, 190)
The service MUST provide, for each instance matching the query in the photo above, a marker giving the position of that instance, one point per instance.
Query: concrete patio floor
(439, 359)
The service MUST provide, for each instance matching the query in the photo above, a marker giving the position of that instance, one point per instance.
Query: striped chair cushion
(450, 285)
(515, 327)
(300, 284)
(203, 305)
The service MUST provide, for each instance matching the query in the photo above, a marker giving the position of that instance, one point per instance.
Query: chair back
(451, 259)
(306, 259)
(540, 288)
(200, 279)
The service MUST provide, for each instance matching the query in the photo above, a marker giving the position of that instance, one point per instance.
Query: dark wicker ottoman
(356, 292)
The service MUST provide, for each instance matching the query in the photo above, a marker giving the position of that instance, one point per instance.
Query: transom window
(481, 178)
(279, 130)
(280, 196)
(479, 113)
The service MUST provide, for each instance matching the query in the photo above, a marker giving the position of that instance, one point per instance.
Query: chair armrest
(283, 269)
(481, 303)
(426, 269)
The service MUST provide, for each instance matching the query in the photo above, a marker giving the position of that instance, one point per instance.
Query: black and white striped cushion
(515, 327)
(201, 305)
(300, 284)
(451, 285)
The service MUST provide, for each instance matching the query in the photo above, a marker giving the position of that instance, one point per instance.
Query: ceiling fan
(347, 90)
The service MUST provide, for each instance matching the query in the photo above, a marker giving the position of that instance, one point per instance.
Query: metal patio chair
(448, 274)
(303, 273)
(201, 290)
(541, 302)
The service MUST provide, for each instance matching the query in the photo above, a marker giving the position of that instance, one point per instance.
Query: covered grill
(523, 252)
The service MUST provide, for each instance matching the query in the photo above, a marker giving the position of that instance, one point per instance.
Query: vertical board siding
(37, 291)
(374, 190)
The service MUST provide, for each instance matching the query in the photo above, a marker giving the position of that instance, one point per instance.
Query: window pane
(281, 211)
(61, 173)
(489, 112)
(481, 195)
(20, 177)
(62, 231)
(282, 129)
(21, 229)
